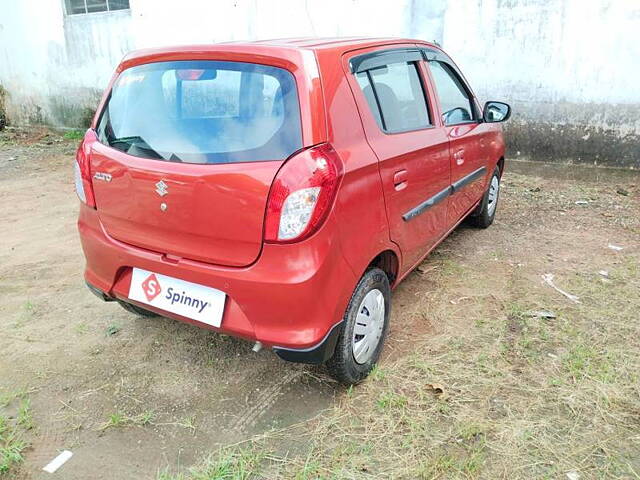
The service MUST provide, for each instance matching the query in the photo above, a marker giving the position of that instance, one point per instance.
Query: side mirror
(496, 112)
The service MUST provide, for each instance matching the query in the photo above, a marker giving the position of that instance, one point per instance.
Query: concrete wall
(55, 66)
(569, 67)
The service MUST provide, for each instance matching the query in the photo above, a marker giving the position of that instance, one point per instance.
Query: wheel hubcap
(494, 189)
(369, 325)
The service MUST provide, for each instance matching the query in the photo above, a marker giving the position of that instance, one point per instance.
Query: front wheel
(364, 329)
(486, 211)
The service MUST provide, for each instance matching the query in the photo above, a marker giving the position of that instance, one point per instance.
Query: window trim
(67, 13)
(432, 55)
(381, 58)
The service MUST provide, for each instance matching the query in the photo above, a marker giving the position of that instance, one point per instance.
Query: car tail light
(82, 170)
(302, 194)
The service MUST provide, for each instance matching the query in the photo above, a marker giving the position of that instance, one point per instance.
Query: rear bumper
(99, 293)
(290, 299)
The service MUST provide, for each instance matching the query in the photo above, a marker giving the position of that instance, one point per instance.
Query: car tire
(368, 316)
(484, 214)
(137, 310)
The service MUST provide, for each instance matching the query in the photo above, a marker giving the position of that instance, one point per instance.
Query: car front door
(462, 123)
(394, 102)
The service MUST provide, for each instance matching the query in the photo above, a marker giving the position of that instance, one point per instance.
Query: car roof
(338, 45)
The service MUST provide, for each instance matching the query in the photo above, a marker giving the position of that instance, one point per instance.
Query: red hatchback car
(278, 190)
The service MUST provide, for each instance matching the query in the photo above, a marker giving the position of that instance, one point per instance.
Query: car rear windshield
(203, 112)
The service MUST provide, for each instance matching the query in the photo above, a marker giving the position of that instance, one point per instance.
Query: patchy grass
(81, 328)
(228, 464)
(112, 329)
(25, 420)
(377, 373)
(26, 314)
(470, 384)
(115, 420)
(73, 135)
(497, 392)
(11, 448)
(6, 398)
(120, 420)
(391, 401)
(13, 430)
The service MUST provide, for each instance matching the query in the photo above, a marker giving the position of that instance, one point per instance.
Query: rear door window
(455, 101)
(395, 95)
(203, 112)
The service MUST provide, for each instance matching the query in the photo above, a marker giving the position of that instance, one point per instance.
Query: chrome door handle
(400, 179)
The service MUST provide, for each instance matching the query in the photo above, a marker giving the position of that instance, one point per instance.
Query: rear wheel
(486, 211)
(137, 310)
(364, 329)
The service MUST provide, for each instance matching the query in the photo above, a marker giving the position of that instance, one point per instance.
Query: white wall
(569, 67)
(53, 65)
(550, 50)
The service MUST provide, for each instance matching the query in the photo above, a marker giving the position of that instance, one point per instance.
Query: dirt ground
(145, 398)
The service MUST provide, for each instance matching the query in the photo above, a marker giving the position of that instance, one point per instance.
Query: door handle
(400, 179)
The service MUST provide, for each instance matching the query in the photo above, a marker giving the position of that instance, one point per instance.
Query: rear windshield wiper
(136, 141)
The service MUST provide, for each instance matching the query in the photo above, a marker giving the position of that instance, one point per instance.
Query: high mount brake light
(191, 74)
(82, 170)
(302, 194)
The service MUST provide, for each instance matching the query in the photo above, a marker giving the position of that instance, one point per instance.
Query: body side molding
(440, 196)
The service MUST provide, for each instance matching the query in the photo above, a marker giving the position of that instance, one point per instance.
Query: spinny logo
(151, 287)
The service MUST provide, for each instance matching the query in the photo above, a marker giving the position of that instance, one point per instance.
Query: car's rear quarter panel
(360, 210)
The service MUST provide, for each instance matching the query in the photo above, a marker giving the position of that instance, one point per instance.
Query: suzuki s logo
(151, 287)
(162, 188)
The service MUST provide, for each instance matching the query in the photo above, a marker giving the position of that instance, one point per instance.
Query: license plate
(204, 304)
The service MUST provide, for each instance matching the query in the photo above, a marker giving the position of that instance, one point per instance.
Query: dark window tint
(395, 96)
(75, 7)
(203, 112)
(456, 104)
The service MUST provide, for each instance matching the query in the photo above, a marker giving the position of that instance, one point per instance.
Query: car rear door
(187, 153)
(394, 104)
(463, 126)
